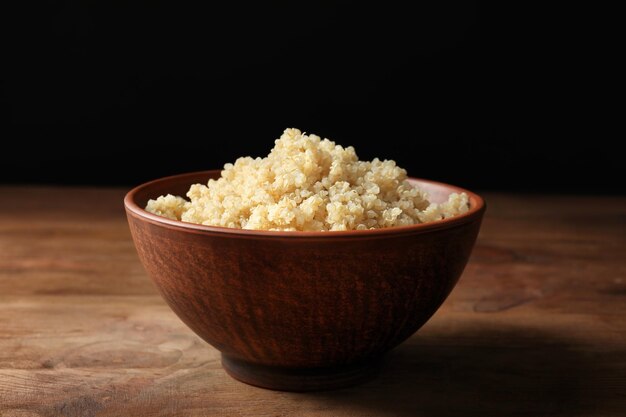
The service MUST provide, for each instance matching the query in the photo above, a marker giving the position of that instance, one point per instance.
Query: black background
(486, 99)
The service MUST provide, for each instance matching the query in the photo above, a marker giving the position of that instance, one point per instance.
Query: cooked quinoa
(308, 184)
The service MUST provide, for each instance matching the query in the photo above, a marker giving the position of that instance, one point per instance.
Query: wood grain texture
(536, 326)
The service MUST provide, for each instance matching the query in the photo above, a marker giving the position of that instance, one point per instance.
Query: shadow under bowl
(301, 311)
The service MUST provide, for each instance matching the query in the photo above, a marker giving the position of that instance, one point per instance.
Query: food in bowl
(308, 184)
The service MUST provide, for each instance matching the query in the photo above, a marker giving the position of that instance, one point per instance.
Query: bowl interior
(176, 185)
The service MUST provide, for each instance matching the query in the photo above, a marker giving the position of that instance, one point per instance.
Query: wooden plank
(536, 326)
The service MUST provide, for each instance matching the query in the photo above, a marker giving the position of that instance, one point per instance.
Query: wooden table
(535, 327)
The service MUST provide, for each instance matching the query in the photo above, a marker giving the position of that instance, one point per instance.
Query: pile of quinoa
(308, 184)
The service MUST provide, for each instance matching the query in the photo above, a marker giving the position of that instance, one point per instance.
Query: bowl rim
(477, 208)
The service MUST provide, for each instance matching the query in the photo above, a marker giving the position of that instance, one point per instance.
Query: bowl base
(299, 379)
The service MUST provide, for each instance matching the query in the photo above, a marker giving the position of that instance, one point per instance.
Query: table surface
(536, 325)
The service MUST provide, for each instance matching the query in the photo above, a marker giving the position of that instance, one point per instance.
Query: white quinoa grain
(309, 184)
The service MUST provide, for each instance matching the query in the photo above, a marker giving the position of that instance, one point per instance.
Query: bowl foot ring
(300, 379)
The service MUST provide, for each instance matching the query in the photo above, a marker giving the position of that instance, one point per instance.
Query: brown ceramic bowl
(301, 311)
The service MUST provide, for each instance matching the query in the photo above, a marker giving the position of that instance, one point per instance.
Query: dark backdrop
(480, 98)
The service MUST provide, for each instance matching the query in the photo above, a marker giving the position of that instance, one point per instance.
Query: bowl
(301, 311)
